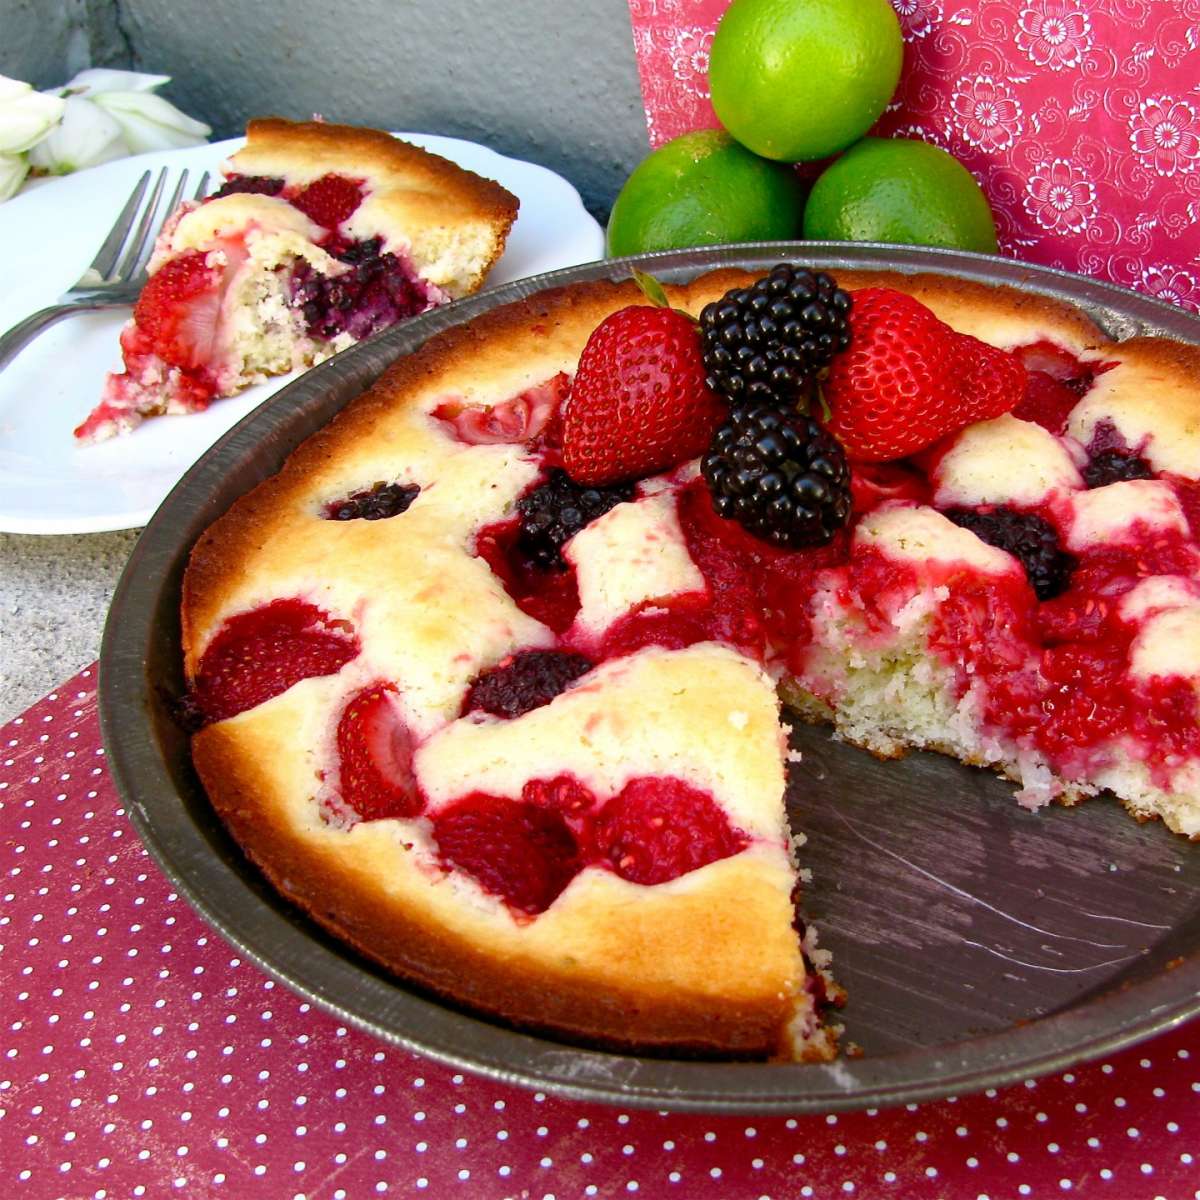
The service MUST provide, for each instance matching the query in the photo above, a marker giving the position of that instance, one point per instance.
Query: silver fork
(118, 271)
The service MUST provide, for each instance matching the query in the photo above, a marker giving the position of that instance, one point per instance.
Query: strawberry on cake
(488, 677)
(320, 236)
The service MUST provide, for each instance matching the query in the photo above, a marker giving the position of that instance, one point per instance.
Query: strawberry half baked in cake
(320, 236)
(488, 677)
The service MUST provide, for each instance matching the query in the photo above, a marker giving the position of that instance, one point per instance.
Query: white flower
(100, 115)
(13, 169)
(150, 122)
(26, 116)
(86, 137)
(147, 122)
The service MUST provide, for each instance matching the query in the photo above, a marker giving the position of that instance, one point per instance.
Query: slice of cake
(487, 677)
(320, 236)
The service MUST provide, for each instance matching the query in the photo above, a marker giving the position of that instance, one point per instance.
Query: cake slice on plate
(320, 236)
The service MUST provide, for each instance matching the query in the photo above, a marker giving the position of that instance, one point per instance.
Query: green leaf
(651, 288)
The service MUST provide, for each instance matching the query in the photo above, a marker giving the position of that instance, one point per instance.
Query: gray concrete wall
(553, 81)
(45, 42)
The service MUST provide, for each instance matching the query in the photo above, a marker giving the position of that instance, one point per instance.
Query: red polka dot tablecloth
(141, 1057)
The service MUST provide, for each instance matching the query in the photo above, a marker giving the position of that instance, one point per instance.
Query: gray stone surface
(54, 594)
(544, 80)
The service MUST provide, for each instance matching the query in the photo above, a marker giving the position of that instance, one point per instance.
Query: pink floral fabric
(1080, 118)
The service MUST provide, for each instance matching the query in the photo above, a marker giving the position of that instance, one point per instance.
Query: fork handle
(22, 333)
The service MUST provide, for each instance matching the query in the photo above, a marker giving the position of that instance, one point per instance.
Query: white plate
(49, 234)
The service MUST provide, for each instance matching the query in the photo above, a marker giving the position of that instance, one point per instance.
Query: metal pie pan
(980, 944)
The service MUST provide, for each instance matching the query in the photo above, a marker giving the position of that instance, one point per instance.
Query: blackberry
(376, 503)
(1115, 466)
(1028, 538)
(555, 511)
(258, 185)
(525, 681)
(374, 293)
(780, 475)
(762, 344)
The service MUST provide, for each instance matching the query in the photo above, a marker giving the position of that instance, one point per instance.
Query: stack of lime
(796, 81)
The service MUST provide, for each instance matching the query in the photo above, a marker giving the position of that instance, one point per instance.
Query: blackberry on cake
(764, 343)
(555, 511)
(780, 476)
(321, 236)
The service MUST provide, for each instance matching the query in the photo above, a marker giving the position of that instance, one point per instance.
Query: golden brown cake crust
(371, 152)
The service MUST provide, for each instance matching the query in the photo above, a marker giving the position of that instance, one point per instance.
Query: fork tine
(106, 256)
(202, 186)
(142, 234)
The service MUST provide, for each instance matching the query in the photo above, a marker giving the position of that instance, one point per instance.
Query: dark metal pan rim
(147, 757)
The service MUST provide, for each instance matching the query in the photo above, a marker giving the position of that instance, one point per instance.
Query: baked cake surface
(320, 236)
(610, 860)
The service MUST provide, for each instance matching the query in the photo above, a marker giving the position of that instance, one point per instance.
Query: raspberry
(1115, 466)
(1027, 537)
(259, 185)
(779, 475)
(1047, 402)
(524, 681)
(376, 503)
(261, 653)
(329, 200)
(522, 852)
(761, 344)
(555, 511)
(656, 829)
(375, 750)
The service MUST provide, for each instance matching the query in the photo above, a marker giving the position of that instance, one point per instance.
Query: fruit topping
(780, 475)
(1115, 466)
(531, 417)
(1047, 402)
(520, 851)
(375, 749)
(258, 185)
(1027, 537)
(548, 595)
(639, 403)
(555, 511)
(376, 292)
(908, 379)
(329, 200)
(656, 829)
(1061, 365)
(261, 653)
(762, 344)
(376, 503)
(524, 681)
(178, 309)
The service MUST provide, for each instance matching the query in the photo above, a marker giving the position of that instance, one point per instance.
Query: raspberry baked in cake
(320, 236)
(488, 678)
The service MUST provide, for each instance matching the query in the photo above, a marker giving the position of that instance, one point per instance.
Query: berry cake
(488, 678)
(320, 236)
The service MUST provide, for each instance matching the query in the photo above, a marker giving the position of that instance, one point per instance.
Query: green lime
(701, 189)
(802, 79)
(900, 190)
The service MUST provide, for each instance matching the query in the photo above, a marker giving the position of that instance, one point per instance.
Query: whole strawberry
(639, 403)
(908, 379)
